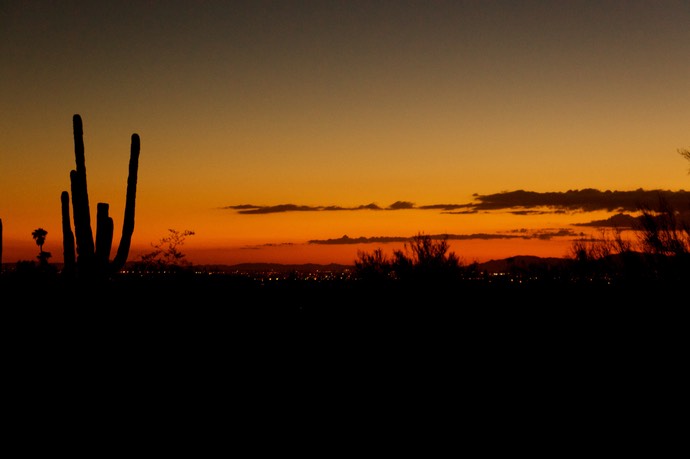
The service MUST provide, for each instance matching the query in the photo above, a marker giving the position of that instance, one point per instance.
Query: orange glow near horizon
(279, 238)
(304, 253)
(468, 252)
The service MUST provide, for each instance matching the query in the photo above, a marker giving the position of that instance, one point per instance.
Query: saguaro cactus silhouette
(92, 260)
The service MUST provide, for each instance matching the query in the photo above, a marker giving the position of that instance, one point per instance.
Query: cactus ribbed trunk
(93, 257)
(68, 249)
(104, 238)
(128, 222)
(80, 202)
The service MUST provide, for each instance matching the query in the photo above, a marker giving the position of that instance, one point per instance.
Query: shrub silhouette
(422, 260)
(373, 267)
(664, 231)
(662, 251)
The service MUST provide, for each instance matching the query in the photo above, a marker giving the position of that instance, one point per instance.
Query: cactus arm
(104, 238)
(128, 222)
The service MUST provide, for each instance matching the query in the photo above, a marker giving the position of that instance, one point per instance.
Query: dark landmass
(275, 267)
(207, 328)
(503, 265)
(517, 287)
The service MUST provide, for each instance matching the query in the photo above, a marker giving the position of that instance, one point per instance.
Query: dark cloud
(252, 209)
(360, 240)
(518, 202)
(447, 207)
(397, 205)
(545, 233)
(270, 244)
(625, 221)
(616, 221)
(586, 200)
(515, 234)
(371, 206)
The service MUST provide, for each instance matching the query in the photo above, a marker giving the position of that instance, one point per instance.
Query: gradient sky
(323, 107)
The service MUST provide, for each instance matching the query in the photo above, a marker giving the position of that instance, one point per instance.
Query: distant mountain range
(491, 266)
(522, 262)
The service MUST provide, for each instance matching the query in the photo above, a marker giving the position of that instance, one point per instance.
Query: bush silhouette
(423, 260)
(660, 253)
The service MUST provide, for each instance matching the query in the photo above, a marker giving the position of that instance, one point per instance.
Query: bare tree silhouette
(685, 153)
(166, 254)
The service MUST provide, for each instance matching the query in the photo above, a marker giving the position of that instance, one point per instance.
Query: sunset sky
(273, 129)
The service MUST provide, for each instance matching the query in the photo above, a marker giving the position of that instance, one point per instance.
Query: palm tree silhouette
(39, 235)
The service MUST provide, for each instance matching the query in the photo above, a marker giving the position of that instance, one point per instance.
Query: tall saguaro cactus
(92, 259)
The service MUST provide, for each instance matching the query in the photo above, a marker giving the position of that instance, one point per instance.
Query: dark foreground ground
(208, 306)
(232, 325)
(539, 366)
